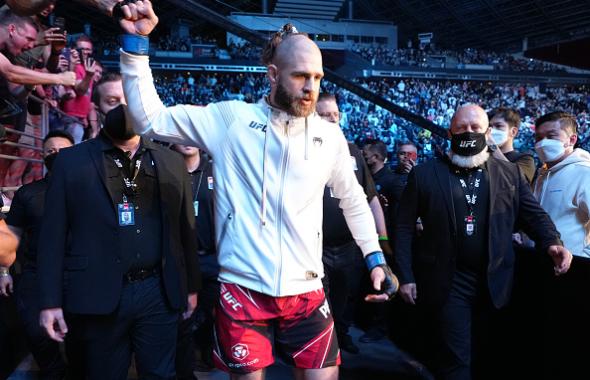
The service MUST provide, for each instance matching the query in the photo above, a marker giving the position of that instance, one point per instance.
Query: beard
(292, 104)
(469, 162)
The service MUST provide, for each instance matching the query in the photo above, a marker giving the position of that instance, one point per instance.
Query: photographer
(78, 105)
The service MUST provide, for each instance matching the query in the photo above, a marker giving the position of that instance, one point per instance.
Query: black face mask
(468, 143)
(49, 160)
(116, 126)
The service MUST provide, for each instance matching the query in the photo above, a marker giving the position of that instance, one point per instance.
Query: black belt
(138, 275)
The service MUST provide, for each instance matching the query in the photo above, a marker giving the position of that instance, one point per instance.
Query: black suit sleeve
(17, 217)
(407, 214)
(53, 238)
(188, 235)
(535, 222)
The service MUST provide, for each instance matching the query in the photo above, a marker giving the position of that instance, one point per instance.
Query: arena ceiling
(499, 25)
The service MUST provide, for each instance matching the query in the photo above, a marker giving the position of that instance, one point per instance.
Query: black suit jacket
(78, 258)
(430, 262)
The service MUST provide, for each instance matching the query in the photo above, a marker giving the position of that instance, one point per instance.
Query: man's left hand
(562, 259)
(192, 305)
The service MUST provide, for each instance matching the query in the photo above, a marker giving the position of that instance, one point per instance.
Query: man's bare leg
(257, 375)
(328, 373)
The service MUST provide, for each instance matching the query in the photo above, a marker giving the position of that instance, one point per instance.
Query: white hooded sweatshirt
(270, 170)
(563, 192)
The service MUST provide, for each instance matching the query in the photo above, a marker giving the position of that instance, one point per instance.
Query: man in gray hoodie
(562, 188)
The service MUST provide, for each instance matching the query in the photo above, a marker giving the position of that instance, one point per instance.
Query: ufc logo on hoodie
(467, 144)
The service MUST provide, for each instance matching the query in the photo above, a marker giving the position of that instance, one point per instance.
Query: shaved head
(295, 46)
(469, 118)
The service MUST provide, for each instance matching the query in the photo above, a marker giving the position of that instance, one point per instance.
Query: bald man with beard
(461, 271)
(272, 161)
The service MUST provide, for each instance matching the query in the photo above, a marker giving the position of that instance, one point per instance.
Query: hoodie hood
(562, 192)
(576, 157)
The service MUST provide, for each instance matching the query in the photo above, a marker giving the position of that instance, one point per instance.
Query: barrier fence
(21, 150)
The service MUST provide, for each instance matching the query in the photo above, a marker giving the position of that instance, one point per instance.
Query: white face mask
(550, 150)
(499, 136)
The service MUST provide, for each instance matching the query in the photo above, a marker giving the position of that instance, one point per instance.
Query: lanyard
(471, 188)
(196, 194)
(129, 183)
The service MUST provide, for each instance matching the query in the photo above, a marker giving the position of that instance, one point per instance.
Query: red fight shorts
(249, 324)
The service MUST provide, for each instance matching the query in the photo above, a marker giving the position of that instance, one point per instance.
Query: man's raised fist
(138, 18)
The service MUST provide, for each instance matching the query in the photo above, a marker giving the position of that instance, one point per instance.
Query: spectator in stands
(463, 271)
(29, 120)
(24, 220)
(252, 275)
(342, 258)
(133, 233)
(201, 326)
(505, 124)
(562, 189)
(50, 42)
(93, 122)
(79, 105)
(18, 34)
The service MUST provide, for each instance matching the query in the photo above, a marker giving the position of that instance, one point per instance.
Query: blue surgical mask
(500, 136)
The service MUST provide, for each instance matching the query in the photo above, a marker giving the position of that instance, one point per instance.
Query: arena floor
(380, 360)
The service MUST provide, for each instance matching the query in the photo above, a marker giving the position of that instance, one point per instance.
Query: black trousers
(468, 331)
(143, 324)
(343, 269)
(45, 351)
(567, 323)
(200, 324)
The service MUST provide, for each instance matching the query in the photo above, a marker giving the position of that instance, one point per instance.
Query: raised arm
(21, 75)
(204, 127)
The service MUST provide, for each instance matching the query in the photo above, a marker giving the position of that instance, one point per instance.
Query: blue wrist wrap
(135, 44)
(375, 259)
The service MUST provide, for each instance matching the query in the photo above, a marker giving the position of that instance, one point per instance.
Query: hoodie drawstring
(264, 163)
(306, 141)
(545, 185)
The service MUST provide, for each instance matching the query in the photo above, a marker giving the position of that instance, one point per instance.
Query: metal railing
(43, 126)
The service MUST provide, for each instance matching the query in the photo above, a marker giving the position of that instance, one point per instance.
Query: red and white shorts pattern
(249, 324)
